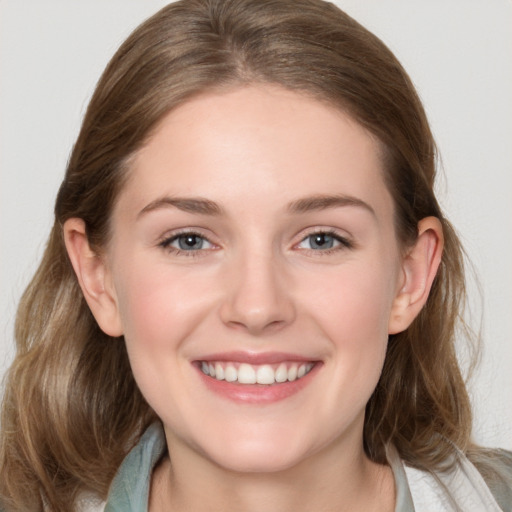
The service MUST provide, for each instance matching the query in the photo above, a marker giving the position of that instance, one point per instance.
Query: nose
(258, 296)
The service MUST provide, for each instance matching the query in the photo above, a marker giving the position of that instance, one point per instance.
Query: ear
(93, 276)
(419, 268)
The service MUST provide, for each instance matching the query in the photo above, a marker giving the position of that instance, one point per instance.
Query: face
(254, 266)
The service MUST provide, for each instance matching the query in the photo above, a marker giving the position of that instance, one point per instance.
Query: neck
(333, 479)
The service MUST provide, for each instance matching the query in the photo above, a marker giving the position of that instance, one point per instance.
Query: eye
(323, 241)
(186, 242)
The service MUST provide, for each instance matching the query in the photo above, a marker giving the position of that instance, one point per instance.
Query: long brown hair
(71, 408)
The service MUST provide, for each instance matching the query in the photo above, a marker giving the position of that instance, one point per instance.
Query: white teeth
(246, 374)
(292, 372)
(230, 373)
(265, 375)
(256, 374)
(281, 373)
(219, 372)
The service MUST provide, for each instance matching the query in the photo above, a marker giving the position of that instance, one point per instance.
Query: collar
(129, 491)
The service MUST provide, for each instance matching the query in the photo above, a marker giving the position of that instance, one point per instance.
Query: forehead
(257, 142)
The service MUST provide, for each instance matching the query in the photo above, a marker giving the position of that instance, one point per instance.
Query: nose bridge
(258, 298)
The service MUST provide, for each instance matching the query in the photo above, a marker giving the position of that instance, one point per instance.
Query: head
(199, 49)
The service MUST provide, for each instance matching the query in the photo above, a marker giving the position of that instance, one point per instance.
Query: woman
(249, 282)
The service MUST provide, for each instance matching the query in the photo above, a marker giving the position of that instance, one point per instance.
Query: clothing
(416, 491)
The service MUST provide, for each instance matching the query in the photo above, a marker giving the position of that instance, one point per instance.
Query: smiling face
(254, 241)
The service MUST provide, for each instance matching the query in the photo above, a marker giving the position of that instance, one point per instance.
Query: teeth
(265, 375)
(244, 373)
(292, 373)
(281, 373)
(219, 372)
(230, 374)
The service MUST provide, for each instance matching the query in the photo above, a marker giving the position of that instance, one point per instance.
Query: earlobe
(93, 277)
(419, 268)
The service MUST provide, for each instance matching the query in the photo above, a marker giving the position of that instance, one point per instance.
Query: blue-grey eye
(190, 242)
(320, 241)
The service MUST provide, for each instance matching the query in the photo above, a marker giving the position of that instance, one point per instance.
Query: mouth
(247, 378)
(266, 374)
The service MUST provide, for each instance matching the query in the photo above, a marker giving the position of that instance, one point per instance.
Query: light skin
(257, 220)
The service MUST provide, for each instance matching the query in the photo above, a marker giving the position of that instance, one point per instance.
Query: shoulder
(479, 480)
(495, 466)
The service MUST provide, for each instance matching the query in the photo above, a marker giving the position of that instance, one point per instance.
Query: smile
(244, 373)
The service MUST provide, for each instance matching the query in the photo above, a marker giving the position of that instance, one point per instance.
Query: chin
(257, 456)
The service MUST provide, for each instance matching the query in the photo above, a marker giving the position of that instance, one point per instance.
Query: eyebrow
(323, 202)
(187, 204)
(201, 206)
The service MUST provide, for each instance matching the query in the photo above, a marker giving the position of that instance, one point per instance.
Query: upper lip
(256, 358)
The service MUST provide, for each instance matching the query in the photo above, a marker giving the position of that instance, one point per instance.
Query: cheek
(158, 305)
(161, 308)
(353, 311)
(356, 302)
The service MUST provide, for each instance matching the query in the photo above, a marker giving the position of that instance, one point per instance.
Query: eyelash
(344, 243)
(167, 241)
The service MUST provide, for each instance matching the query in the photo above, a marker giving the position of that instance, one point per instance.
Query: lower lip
(257, 393)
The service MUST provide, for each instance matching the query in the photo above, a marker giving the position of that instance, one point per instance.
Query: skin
(258, 285)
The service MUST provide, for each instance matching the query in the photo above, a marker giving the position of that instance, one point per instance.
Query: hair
(72, 409)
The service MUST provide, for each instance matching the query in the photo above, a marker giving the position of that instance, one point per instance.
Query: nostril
(257, 299)
(256, 327)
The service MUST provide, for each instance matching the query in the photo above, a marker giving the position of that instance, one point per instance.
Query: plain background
(458, 53)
